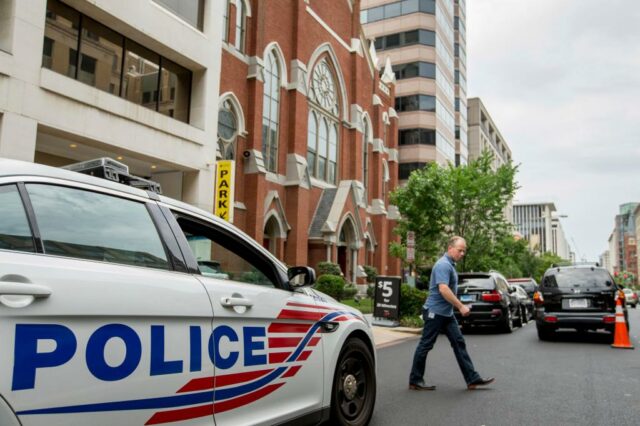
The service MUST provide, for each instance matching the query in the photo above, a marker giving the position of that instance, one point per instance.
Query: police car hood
(322, 297)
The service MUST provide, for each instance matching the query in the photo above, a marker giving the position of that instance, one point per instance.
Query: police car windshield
(578, 277)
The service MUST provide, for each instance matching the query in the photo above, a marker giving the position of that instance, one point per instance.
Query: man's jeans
(432, 327)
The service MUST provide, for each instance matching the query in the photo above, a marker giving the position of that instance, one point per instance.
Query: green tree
(545, 261)
(426, 208)
(480, 196)
(468, 201)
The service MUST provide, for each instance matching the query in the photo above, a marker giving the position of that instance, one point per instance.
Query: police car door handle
(236, 301)
(22, 289)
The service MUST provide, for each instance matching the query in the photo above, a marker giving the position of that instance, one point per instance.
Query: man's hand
(446, 292)
(464, 310)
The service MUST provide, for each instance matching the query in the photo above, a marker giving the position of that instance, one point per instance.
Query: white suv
(106, 317)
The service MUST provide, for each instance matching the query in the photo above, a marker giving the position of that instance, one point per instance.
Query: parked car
(107, 318)
(526, 303)
(491, 300)
(631, 297)
(528, 284)
(580, 297)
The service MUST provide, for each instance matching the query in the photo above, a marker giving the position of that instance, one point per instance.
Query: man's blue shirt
(443, 272)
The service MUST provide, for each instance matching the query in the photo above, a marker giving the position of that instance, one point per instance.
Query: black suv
(528, 284)
(491, 300)
(581, 297)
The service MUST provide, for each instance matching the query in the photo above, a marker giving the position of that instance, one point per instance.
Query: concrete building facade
(135, 81)
(484, 135)
(307, 116)
(537, 224)
(425, 41)
(605, 261)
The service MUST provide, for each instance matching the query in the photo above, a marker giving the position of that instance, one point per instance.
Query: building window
(191, 11)
(416, 103)
(417, 137)
(62, 28)
(227, 130)
(110, 62)
(225, 22)
(405, 169)
(399, 8)
(415, 69)
(175, 90)
(407, 38)
(241, 20)
(386, 177)
(47, 53)
(270, 112)
(322, 142)
(141, 76)
(100, 56)
(365, 161)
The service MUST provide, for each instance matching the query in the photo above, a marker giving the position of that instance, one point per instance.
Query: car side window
(223, 255)
(15, 233)
(94, 226)
(502, 285)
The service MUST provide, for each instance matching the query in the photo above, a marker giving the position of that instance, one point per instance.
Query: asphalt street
(573, 380)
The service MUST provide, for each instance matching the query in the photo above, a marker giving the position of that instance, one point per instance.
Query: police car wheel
(354, 385)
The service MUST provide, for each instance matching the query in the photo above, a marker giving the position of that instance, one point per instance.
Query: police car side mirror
(300, 276)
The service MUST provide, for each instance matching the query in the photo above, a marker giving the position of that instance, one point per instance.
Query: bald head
(456, 248)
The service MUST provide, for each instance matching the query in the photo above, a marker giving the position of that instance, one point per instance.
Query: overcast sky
(561, 80)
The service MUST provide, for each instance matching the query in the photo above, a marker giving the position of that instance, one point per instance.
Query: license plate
(467, 298)
(578, 303)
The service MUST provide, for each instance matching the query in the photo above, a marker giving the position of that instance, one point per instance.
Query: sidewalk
(387, 336)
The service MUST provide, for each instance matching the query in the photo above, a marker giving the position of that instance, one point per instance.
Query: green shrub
(412, 322)
(331, 285)
(371, 290)
(348, 292)
(371, 272)
(329, 268)
(411, 301)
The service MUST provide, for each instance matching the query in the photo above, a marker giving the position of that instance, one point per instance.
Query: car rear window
(479, 283)
(527, 285)
(574, 278)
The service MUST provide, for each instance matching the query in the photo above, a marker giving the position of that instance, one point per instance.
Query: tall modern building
(537, 224)
(484, 135)
(625, 239)
(425, 41)
(135, 81)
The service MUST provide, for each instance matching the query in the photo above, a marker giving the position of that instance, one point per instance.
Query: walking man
(437, 313)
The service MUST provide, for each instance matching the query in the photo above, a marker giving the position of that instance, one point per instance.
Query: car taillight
(537, 298)
(550, 318)
(493, 296)
(609, 319)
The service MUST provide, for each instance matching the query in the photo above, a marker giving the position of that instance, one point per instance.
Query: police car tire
(355, 361)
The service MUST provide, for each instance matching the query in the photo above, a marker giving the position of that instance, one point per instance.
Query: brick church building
(306, 114)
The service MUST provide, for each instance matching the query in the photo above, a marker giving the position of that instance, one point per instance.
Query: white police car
(107, 319)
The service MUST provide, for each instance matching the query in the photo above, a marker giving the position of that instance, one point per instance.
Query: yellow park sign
(223, 200)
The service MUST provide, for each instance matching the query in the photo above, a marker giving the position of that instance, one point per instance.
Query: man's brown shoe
(480, 382)
(421, 386)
